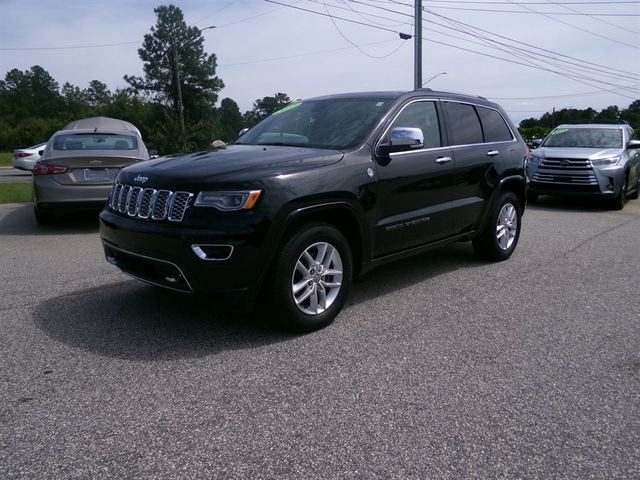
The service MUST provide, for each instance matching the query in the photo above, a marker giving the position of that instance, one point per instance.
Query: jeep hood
(235, 162)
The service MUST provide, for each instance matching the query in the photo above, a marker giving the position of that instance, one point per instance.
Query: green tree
(174, 61)
(97, 94)
(263, 107)
(230, 120)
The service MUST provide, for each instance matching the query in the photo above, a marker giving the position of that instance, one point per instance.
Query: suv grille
(563, 171)
(148, 203)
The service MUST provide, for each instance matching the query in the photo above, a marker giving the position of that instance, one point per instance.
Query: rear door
(480, 140)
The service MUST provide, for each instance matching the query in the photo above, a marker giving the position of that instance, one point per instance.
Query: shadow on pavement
(20, 220)
(136, 321)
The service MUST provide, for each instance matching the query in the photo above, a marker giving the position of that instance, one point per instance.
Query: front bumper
(163, 254)
(598, 182)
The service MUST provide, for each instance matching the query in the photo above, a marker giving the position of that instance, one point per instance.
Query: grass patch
(5, 159)
(15, 192)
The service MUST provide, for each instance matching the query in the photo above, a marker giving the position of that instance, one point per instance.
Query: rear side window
(95, 141)
(494, 126)
(422, 115)
(464, 124)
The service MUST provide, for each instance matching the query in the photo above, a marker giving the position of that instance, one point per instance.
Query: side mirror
(41, 152)
(536, 142)
(633, 144)
(242, 132)
(402, 139)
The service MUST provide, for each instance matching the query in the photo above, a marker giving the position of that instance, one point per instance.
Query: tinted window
(494, 126)
(464, 124)
(584, 138)
(422, 115)
(336, 123)
(94, 141)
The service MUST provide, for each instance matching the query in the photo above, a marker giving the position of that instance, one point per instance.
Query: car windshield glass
(584, 138)
(338, 123)
(95, 141)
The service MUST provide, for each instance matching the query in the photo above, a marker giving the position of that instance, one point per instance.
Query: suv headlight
(228, 201)
(606, 162)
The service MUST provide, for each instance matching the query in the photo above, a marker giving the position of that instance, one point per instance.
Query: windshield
(95, 141)
(584, 138)
(338, 123)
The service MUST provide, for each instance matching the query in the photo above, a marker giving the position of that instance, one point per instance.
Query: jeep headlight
(606, 162)
(228, 201)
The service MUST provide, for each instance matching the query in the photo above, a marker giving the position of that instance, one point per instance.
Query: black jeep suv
(319, 192)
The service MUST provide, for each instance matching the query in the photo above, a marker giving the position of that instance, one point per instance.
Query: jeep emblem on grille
(140, 179)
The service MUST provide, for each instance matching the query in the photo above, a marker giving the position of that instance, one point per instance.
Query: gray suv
(589, 159)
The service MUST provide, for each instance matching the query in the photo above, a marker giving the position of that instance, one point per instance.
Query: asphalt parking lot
(440, 366)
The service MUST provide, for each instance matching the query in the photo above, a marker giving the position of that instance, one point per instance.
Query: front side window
(335, 123)
(582, 137)
(422, 115)
(464, 124)
(494, 126)
(95, 141)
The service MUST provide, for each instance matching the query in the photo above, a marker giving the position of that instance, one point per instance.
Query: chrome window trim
(513, 137)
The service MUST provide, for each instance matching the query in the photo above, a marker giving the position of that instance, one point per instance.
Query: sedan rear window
(95, 141)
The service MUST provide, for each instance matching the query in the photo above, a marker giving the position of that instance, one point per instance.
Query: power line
(595, 18)
(492, 10)
(353, 44)
(308, 54)
(574, 26)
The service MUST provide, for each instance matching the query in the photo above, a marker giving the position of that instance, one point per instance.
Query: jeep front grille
(148, 203)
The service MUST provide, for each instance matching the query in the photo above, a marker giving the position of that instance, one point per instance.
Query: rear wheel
(500, 236)
(311, 278)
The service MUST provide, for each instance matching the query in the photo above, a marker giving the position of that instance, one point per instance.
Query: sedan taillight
(22, 155)
(42, 169)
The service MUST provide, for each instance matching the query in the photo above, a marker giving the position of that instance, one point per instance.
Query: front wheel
(618, 202)
(499, 238)
(312, 278)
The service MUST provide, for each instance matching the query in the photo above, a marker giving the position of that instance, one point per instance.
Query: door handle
(443, 160)
(493, 153)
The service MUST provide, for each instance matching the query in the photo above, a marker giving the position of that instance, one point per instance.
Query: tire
(618, 202)
(43, 218)
(636, 193)
(311, 278)
(532, 197)
(499, 238)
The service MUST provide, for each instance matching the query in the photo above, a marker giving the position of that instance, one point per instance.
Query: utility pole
(179, 90)
(417, 60)
(178, 85)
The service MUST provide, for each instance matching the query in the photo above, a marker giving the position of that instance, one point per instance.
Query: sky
(531, 56)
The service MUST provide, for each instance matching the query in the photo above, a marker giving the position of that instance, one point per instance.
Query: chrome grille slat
(566, 171)
(178, 205)
(148, 203)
